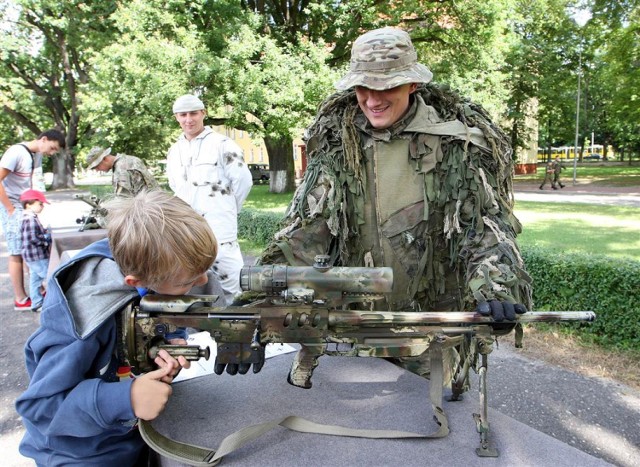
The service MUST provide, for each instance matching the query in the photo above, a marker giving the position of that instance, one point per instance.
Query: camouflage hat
(96, 155)
(383, 59)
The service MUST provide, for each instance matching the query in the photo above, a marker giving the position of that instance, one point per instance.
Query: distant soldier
(549, 175)
(558, 167)
(130, 175)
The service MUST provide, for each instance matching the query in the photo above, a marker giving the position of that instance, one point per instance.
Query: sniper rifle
(309, 306)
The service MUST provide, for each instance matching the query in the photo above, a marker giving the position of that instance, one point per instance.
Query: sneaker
(23, 305)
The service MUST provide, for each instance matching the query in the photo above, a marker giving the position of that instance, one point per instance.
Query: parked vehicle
(259, 172)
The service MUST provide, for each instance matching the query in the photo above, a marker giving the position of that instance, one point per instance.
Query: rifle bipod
(471, 347)
(482, 419)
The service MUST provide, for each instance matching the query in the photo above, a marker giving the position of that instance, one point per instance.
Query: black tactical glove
(237, 358)
(500, 310)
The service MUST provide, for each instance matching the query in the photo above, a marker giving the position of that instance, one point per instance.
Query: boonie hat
(383, 59)
(96, 155)
(187, 103)
(33, 195)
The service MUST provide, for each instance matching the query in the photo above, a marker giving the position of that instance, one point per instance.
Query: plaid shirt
(35, 243)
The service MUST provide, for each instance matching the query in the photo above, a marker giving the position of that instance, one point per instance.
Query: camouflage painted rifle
(307, 305)
(95, 218)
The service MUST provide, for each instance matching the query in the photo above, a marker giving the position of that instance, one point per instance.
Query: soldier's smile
(384, 108)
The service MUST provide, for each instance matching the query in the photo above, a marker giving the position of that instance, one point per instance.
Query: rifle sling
(203, 457)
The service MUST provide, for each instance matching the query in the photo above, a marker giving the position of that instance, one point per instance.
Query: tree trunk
(281, 165)
(63, 164)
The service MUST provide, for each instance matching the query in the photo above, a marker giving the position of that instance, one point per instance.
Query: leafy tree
(264, 73)
(271, 91)
(539, 63)
(618, 84)
(155, 57)
(46, 45)
(451, 35)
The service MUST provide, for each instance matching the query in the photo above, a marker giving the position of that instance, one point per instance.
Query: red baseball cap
(31, 195)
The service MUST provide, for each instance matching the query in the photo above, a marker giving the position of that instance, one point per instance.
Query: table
(355, 392)
(71, 242)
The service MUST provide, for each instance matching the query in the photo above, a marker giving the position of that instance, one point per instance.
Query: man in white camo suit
(207, 170)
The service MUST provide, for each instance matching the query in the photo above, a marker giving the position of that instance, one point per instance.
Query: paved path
(627, 196)
(597, 416)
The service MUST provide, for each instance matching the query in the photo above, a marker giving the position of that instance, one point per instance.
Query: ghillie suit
(443, 220)
(456, 244)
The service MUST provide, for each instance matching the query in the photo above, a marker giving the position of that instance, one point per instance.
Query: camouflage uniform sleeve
(121, 183)
(305, 231)
(486, 236)
(495, 269)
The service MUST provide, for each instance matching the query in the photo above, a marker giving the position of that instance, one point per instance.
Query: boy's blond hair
(155, 235)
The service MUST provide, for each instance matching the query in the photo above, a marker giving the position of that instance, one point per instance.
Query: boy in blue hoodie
(76, 409)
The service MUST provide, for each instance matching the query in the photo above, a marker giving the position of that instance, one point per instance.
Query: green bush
(258, 226)
(561, 282)
(575, 282)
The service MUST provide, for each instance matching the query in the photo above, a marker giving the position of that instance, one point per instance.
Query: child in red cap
(36, 245)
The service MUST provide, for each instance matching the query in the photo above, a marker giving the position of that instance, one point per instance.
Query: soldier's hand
(500, 310)
(238, 358)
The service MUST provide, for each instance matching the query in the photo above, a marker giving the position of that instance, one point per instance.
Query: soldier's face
(192, 123)
(104, 165)
(384, 108)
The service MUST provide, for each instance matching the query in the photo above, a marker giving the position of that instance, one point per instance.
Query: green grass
(260, 199)
(581, 228)
(562, 227)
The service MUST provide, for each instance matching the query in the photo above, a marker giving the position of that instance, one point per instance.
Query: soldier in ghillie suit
(407, 174)
(130, 175)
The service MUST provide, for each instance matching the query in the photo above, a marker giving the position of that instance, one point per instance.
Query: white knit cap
(187, 103)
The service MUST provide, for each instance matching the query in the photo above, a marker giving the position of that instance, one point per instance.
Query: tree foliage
(154, 58)
(271, 91)
(618, 80)
(46, 47)
(108, 72)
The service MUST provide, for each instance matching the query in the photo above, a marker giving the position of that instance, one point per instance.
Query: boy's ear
(133, 281)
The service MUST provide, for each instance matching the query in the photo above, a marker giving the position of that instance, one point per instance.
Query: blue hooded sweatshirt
(76, 410)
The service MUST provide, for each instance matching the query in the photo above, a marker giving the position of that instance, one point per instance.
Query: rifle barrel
(448, 317)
